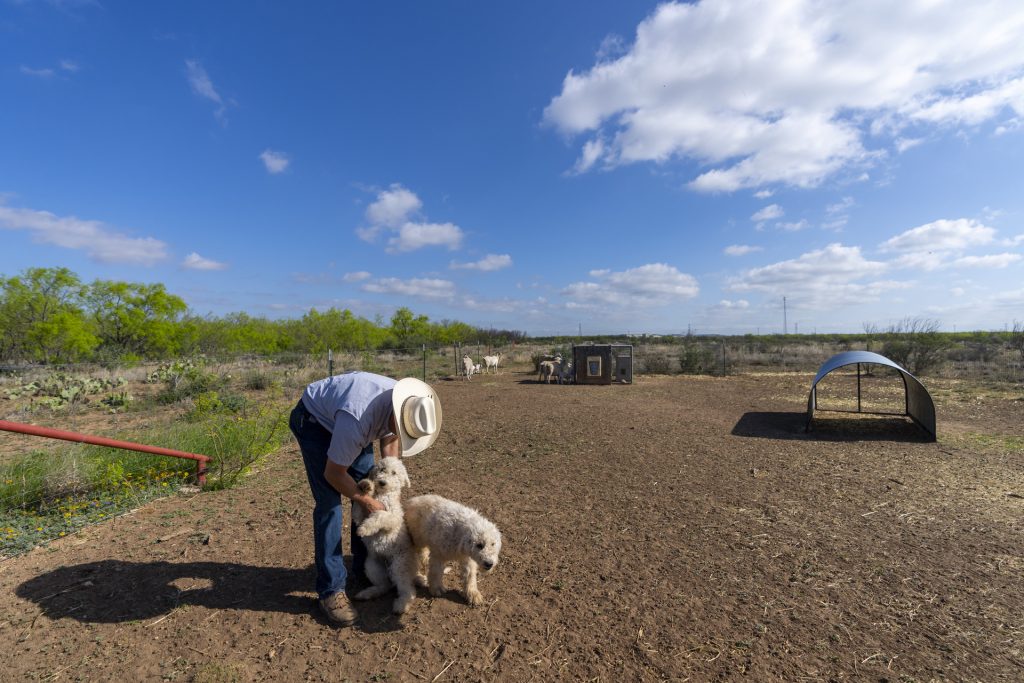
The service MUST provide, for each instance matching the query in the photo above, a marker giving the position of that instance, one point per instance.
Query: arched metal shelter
(918, 405)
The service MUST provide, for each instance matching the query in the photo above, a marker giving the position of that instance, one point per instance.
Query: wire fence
(698, 355)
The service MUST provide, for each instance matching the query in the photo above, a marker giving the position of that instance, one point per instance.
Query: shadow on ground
(115, 591)
(859, 427)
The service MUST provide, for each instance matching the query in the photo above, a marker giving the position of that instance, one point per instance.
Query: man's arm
(338, 477)
(391, 446)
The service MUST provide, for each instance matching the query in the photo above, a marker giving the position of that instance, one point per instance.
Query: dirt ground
(679, 528)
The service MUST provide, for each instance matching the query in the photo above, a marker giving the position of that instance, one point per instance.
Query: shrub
(695, 359)
(658, 363)
(257, 380)
(120, 399)
(915, 344)
(210, 403)
(189, 384)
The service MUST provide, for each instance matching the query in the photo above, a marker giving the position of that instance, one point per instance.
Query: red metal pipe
(51, 433)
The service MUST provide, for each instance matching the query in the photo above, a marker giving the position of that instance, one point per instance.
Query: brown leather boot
(338, 609)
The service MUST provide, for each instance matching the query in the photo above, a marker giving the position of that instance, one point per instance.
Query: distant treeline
(915, 343)
(48, 315)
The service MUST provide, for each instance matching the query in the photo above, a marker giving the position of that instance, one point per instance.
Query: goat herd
(555, 369)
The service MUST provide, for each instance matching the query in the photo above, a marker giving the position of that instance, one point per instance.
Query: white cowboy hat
(417, 414)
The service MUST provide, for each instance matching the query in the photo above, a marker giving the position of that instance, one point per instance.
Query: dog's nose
(382, 484)
(488, 566)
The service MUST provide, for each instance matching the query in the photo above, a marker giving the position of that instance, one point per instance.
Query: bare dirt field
(679, 528)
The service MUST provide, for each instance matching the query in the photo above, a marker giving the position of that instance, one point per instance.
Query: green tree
(408, 329)
(135, 318)
(336, 329)
(452, 331)
(42, 316)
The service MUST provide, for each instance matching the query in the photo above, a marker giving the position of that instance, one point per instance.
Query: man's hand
(371, 505)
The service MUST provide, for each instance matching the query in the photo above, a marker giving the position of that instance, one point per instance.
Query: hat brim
(406, 388)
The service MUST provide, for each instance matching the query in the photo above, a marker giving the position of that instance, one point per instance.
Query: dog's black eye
(479, 546)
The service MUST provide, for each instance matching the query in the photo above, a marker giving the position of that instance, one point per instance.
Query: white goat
(566, 375)
(491, 362)
(467, 367)
(550, 369)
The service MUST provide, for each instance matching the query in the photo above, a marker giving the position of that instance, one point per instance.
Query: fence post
(330, 363)
(458, 363)
(424, 362)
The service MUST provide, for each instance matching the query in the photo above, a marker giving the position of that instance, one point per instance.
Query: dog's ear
(405, 479)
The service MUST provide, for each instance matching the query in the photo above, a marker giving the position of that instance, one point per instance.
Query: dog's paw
(437, 591)
(475, 598)
(370, 593)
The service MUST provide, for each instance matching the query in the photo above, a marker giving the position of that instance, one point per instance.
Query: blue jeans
(328, 514)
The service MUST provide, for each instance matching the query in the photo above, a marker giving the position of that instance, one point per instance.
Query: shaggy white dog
(390, 555)
(445, 531)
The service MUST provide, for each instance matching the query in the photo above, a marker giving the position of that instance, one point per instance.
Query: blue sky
(620, 167)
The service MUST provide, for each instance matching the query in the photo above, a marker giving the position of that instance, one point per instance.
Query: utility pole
(785, 326)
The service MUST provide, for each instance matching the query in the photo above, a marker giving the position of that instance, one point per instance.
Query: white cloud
(196, 262)
(836, 225)
(973, 109)
(741, 249)
(275, 162)
(1011, 298)
(36, 73)
(393, 211)
(655, 284)
(357, 276)
(840, 207)
(202, 86)
(592, 151)
(1013, 241)
(69, 65)
(829, 277)
(488, 263)
(939, 236)
(764, 194)
(413, 236)
(768, 213)
(989, 261)
(98, 241)
(393, 207)
(739, 304)
(611, 46)
(903, 144)
(422, 288)
(787, 92)
(793, 226)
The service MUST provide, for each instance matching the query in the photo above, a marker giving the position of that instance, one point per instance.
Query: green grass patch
(48, 494)
(987, 442)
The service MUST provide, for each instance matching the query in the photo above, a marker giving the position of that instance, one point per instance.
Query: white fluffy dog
(445, 531)
(390, 555)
